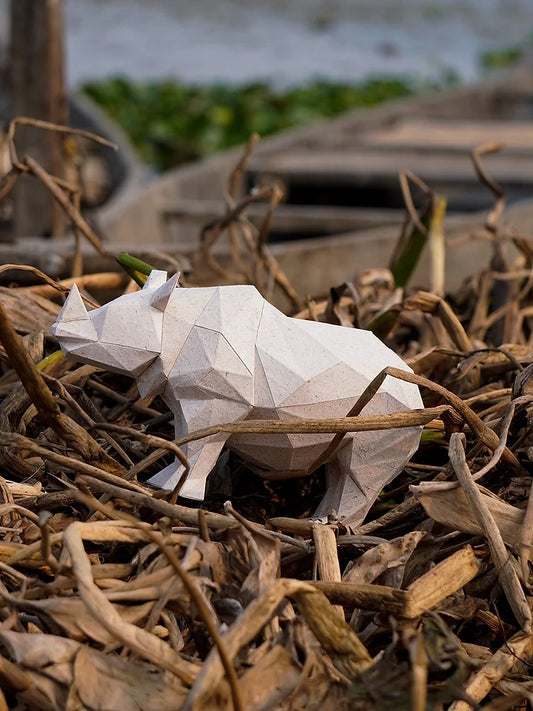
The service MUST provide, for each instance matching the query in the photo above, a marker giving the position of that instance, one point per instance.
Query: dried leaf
(375, 561)
(450, 508)
(59, 667)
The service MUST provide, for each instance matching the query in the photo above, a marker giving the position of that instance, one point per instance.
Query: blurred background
(188, 79)
(291, 41)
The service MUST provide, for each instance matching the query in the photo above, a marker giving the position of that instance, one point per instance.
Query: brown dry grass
(115, 596)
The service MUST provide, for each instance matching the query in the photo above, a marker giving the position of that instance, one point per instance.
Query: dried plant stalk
(509, 655)
(327, 560)
(502, 558)
(446, 578)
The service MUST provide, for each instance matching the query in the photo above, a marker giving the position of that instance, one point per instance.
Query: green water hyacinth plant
(172, 123)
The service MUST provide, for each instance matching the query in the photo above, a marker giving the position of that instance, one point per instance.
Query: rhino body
(224, 354)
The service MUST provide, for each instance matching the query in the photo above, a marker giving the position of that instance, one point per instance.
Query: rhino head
(125, 335)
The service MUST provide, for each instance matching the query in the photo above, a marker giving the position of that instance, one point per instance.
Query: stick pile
(116, 596)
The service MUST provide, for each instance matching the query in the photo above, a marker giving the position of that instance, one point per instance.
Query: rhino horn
(74, 308)
(163, 293)
(73, 319)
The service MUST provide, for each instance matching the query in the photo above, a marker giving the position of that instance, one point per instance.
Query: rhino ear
(163, 294)
(73, 308)
(156, 278)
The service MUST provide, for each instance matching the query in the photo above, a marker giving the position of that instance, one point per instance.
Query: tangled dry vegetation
(114, 596)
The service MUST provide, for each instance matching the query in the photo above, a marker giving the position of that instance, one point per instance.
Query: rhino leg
(344, 496)
(168, 477)
(202, 456)
(202, 453)
(362, 467)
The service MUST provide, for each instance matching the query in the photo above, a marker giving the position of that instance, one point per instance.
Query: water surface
(287, 41)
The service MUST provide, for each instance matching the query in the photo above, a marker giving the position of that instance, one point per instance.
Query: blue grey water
(285, 41)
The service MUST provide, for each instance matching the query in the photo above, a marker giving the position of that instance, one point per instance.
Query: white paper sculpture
(222, 354)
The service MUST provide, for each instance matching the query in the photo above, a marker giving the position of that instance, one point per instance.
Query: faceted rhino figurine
(224, 354)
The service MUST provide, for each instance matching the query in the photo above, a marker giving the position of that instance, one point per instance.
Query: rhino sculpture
(225, 354)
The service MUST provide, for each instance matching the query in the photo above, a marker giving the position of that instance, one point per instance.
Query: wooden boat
(125, 173)
(106, 175)
(343, 206)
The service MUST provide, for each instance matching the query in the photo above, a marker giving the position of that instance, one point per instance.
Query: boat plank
(456, 135)
(367, 165)
(315, 219)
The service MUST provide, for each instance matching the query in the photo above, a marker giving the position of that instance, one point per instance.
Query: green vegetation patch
(171, 123)
(501, 58)
(507, 56)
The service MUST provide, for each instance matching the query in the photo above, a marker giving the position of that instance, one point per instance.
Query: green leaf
(136, 268)
(409, 248)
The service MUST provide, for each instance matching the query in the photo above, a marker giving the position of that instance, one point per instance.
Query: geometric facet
(224, 354)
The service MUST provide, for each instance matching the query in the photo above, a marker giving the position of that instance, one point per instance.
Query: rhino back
(307, 363)
(362, 353)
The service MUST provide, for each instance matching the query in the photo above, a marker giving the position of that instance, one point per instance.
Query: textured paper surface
(224, 354)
